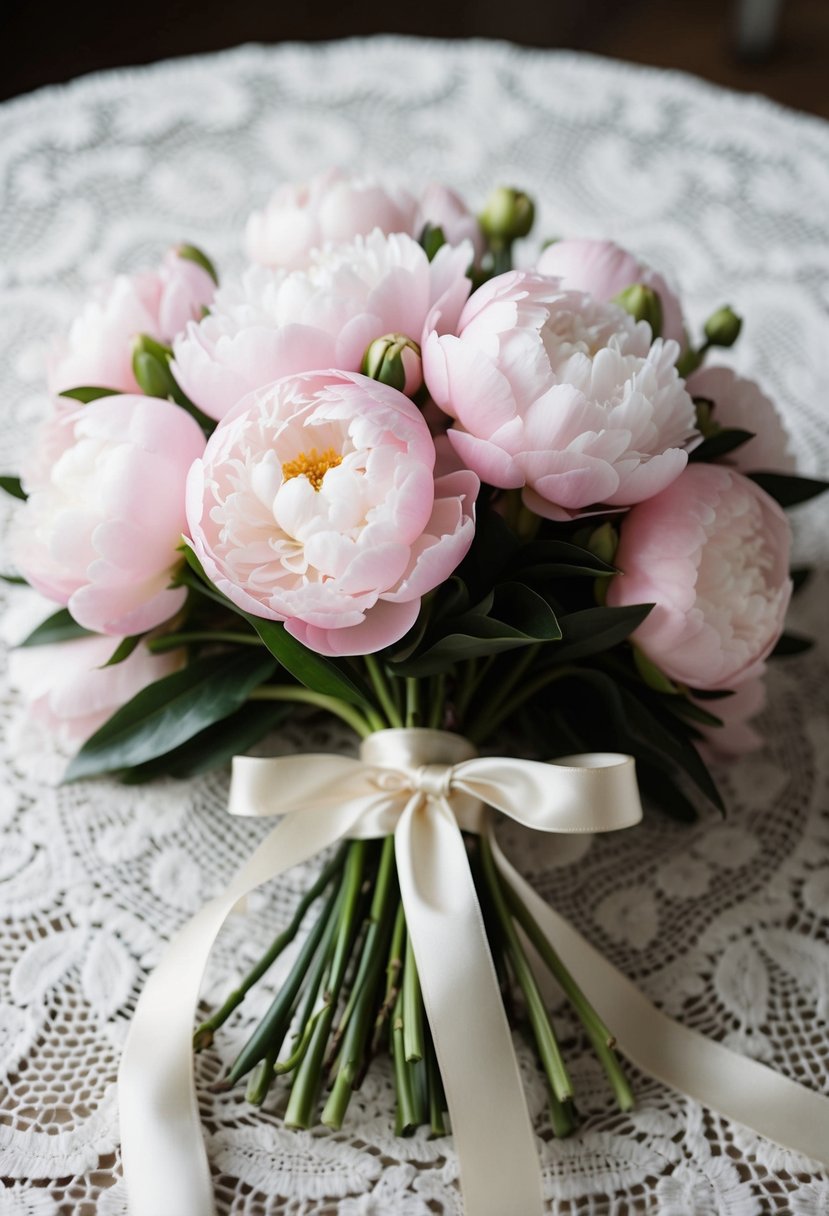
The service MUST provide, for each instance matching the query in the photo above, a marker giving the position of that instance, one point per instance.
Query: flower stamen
(313, 465)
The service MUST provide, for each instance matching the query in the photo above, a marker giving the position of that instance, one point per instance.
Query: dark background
(47, 42)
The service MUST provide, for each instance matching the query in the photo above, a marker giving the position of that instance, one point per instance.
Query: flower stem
(412, 708)
(437, 692)
(437, 1098)
(393, 968)
(306, 1085)
(170, 641)
(203, 1036)
(407, 1120)
(597, 1032)
(486, 723)
(412, 1007)
(548, 1048)
(305, 696)
(380, 686)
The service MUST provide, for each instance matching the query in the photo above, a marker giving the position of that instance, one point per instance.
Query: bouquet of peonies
(386, 476)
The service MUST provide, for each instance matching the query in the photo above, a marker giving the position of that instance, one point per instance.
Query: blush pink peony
(737, 736)
(105, 512)
(559, 394)
(712, 553)
(742, 404)
(272, 324)
(444, 209)
(315, 504)
(603, 270)
(332, 207)
(71, 693)
(98, 348)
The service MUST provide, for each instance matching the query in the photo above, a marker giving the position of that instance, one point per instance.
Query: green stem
(380, 686)
(306, 1085)
(274, 1026)
(393, 968)
(169, 641)
(305, 696)
(487, 723)
(412, 708)
(407, 1120)
(437, 1098)
(465, 687)
(412, 1007)
(204, 1034)
(548, 1048)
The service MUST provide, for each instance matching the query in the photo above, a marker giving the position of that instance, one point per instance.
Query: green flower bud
(507, 215)
(603, 542)
(723, 327)
(151, 367)
(395, 360)
(706, 423)
(643, 304)
(651, 674)
(431, 240)
(191, 253)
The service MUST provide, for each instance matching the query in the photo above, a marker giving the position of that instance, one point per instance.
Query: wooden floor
(52, 40)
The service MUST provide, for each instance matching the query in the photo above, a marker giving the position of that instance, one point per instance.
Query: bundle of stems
(353, 991)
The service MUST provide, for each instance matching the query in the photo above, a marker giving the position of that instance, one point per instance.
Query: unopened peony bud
(394, 360)
(191, 253)
(643, 304)
(151, 367)
(723, 327)
(603, 542)
(507, 215)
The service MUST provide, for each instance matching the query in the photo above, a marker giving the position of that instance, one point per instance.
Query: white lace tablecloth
(722, 923)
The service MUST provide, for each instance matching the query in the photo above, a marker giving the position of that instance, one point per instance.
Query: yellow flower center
(313, 465)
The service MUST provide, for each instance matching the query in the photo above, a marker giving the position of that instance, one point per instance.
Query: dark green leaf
(16, 580)
(89, 392)
(192, 253)
(661, 788)
(546, 559)
(682, 708)
(800, 576)
(431, 240)
(792, 643)
(313, 670)
(595, 629)
(11, 485)
(724, 441)
(215, 746)
(787, 489)
(123, 650)
(171, 711)
(519, 617)
(60, 627)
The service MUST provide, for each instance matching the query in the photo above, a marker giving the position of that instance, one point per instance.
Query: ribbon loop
(434, 780)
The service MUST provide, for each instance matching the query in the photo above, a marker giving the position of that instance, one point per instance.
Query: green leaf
(192, 253)
(663, 790)
(89, 392)
(60, 627)
(16, 580)
(215, 746)
(787, 489)
(518, 617)
(720, 444)
(800, 576)
(792, 643)
(151, 368)
(431, 240)
(172, 710)
(547, 559)
(313, 670)
(123, 650)
(12, 486)
(651, 674)
(595, 629)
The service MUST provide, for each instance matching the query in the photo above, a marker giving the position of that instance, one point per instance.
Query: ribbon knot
(434, 780)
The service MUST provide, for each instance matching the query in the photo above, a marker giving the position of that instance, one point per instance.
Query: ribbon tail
(739, 1088)
(491, 1126)
(163, 1154)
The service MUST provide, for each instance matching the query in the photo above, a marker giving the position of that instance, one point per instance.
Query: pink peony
(272, 324)
(560, 394)
(742, 404)
(712, 553)
(105, 512)
(98, 349)
(444, 209)
(603, 269)
(736, 736)
(315, 504)
(331, 208)
(71, 693)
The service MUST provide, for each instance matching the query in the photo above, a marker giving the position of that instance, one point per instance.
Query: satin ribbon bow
(425, 786)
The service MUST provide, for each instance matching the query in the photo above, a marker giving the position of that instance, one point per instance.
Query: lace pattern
(722, 923)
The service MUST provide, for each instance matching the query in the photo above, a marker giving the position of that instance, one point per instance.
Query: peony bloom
(272, 324)
(444, 209)
(712, 553)
(71, 693)
(105, 512)
(560, 394)
(603, 269)
(331, 208)
(742, 404)
(315, 504)
(98, 349)
(736, 736)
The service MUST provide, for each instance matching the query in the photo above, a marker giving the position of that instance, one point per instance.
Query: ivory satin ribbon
(425, 786)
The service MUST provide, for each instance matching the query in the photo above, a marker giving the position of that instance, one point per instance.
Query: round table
(722, 923)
